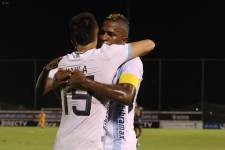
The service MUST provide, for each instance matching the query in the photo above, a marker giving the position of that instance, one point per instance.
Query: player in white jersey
(83, 115)
(119, 128)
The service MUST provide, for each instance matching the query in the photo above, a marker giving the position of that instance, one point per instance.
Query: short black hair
(83, 28)
(118, 17)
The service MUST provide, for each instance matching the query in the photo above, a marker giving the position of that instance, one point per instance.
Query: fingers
(56, 60)
(63, 75)
(77, 72)
(63, 83)
(53, 63)
(59, 84)
(69, 79)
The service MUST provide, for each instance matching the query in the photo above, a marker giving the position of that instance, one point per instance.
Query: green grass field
(31, 138)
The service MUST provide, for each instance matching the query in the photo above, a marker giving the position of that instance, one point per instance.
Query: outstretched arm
(141, 48)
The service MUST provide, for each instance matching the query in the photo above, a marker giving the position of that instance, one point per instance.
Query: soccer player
(83, 114)
(119, 124)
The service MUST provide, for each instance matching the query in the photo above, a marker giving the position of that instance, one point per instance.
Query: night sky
(180, 74)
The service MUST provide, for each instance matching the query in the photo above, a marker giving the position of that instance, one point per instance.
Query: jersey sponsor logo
(120, 122)
(13, 123)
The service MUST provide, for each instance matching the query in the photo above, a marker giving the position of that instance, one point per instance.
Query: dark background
(184, 72)
(181, 29)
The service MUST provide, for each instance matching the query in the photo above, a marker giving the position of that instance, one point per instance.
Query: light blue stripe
(129, 51)
(117, 142)
(117, 75)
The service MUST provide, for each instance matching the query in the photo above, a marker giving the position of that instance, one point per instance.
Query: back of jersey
(83, 115)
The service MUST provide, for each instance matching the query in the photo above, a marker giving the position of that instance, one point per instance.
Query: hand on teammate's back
(61, 78)
(76, 80)
(52, 64)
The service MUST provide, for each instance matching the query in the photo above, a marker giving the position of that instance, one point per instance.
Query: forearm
(40, 87)
(118, 93)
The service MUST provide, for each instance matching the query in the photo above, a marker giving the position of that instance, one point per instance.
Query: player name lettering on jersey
(80, 68)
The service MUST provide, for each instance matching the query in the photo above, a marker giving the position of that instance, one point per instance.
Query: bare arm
(141, 48)
(122, 93)
(44, 84)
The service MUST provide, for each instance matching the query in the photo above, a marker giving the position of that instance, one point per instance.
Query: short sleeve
(132, 72)
(118, 54)
(52, 73)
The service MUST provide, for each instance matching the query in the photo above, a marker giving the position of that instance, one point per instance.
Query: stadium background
(184, 73)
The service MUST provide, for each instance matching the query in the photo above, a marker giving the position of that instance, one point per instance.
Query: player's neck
(84, 48)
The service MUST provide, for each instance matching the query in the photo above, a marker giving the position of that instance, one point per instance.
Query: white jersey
(119, 125)
(81, 126)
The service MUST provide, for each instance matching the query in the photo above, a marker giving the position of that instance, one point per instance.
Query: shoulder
(133, 64)
(65, 60)
(114, 47)
(136, 61)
